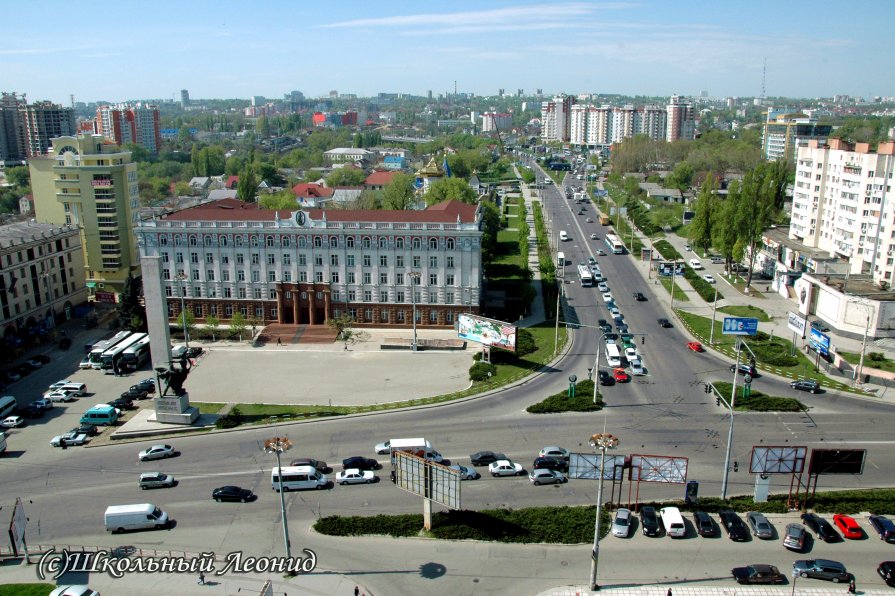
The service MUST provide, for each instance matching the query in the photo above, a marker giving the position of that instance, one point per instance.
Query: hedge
(758, 401)
(561, 402)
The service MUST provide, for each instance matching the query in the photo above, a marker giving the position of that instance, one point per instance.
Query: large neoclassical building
(303, 267)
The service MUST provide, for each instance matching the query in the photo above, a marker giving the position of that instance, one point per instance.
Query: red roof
(236, 210)
(379, 178)
(232, 181)
(308, 190)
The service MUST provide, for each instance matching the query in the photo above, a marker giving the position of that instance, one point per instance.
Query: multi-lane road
(664, 413)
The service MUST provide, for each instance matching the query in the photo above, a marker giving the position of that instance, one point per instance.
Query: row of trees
(733, 226)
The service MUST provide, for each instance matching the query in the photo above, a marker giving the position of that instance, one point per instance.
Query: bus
(604, 219)
(134, 357)
(615, 244)
(613, 356)
(111, 357)
(585, 278)
(96, 352)
(8, 405)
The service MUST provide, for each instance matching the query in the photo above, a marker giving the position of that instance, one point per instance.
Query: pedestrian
(851, 586)
(201, 581)
(668, 593)
(356, 591)
(279, 342)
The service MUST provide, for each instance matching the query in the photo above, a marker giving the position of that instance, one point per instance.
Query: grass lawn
(883, 364)
(767, 349)
(746, 311)
(208, 407)
(26, 589)
(740, 284)
(757, 401)
(679, 295)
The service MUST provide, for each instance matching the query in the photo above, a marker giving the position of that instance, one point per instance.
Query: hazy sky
(225, 49)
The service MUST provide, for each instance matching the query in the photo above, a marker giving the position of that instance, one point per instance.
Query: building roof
(236, 210)
(30, 231)
(232, 181)
(222, 193)
(311, 190)
(347, 151)
(379, 178)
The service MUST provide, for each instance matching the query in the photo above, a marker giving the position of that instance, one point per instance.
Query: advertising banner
(488, 332)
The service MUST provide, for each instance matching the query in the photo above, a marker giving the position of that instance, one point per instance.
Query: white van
(142, 516)
(695, 264)
(297, 478)
(563, 236)
(560, 259)
(79, 389)
(673, 522)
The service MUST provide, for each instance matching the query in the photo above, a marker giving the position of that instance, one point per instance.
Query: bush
(668, 252)
(702, 287)
(231, 420)
(758, 401)
(390, 525)
(561, 402)
(876, 356)
(525, 342)
(482, 371)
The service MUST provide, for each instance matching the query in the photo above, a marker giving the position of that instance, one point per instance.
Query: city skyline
(630, 48)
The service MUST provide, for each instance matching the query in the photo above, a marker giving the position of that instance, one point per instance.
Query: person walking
(201, 581)
(668, 593)
(851, 586)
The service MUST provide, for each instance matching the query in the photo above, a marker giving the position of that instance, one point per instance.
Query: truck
(141, 516)
(419, 447)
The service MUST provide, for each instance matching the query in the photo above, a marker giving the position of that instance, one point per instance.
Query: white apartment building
(650, 121)
(843, 203)
(604, 125)
(494, 121)
(556, 118)
(681, 120)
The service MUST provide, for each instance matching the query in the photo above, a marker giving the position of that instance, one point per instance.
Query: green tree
(490, 228)
(183, 136)
(701, 225)
(237, 325)
(681, 177)
(183, 189)
(281, 200)
(724, 232)
(268, 173)
(129, 309)
(262, 127)
(344, 327)
(187, 322)
(346, 176)
(18, 176)
(195, 161)
(399, 194)
(445, 189)
(755, 211)
(211, 323)
(247, 188)
(235, 165)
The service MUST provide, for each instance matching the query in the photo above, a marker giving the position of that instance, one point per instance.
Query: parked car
(69, 439)
(483, 458)
(733, 525)
(620, 375)
(60, 396)
(758, 574)
(147, 385)
(795, 537)
(554, 451)
(232, 493)
(621, 523)
(820, 527)
(695, 346)
(703, 523)
(134, 393)
(34, 363)
(156, 452)
(465, 472)
(649, 521)
(505, 467)
(155, 480)
(833, 571)
(43, 404)
(355, 476)
(361, 463)
(884, 527)
(820, 326)
(551, 463)
(85, 362)
(709, 278)
(639, 297)
(761, 527)
(122, 403)
(80, 590)
(32, 411)
(41, 358)
(87, 429)
(809, 385)
(546, 476)
(849, 527)
(664, 323)
(318, 465)
(886, 571)
(606, 378)
(12, 422)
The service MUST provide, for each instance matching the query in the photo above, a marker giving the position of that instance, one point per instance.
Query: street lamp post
(601, 441)
(186, 333)
(733, 397)
(860, 370)
(414, 278)
(673, 276)
(714, 309)
(277, 446)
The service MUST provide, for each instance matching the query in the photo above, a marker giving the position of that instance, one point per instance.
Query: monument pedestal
(174, 409)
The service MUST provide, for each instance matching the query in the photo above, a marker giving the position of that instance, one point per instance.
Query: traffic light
(642, 339)
(708, 388)
(717, 401)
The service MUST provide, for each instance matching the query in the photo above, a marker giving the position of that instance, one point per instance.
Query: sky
(124, 50)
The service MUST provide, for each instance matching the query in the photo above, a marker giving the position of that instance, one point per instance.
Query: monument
(172, 406)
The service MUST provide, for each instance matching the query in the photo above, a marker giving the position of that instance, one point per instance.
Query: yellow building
(91, 183)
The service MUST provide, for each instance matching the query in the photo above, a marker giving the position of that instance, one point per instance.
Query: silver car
(156, 452)
(621, 524)
(761, 527)
(466, 473)
(156, 480)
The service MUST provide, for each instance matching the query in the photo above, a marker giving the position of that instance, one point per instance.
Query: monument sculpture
(172, 405)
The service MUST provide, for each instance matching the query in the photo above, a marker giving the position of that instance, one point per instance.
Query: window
(449, 317)
(383, 260)
(349, 242)
(433, 279)
(270, 259)
(449, 244)
(227, 293)
(224, 241)
(256, 292)
(318, 260)
(193, 241)
(383, 316)
(240, 259)
(168, 293)
(334, 277)
(225, 275)
(383, 278)
(367, 276)
(349, 260)
(433, 261)
(333, 242)
(449, 262)
(399, 296)
(399, 261)
(351, 296)
(334, 260)
(287, 259)
(271, 294)
(287, 276)
(367, 243)
(351, 278)
(241, 275)
(228, 310)
(433, 316)
(416, 262)
(256, 259)
(368, 296)
(448, 297)
(238, 241)
(287, 242)
(383, 243)
(449, 279)
(178, 257)
(318, 277)
(433, 243)
(302, 260)
(254, 241)
(166, 274)
(318, 243)
(368, 314)
(213, 309)
(225, 259)
(194, 274)
(399, 279)
(197, 292)
(366, 260)
(336, 296)
(399, 316)
(271, 276)
(269, 242)
(241, 293)
(209, 258)
(302, 277)
(302, 243)
(417, 243)
(399, 243)
(209, 274)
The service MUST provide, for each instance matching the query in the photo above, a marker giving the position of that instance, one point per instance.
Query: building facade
(842, 204)
(783, 133)
(602, 126)
(90, 183)
(41, 276)
(556, 118)
(680, 120)
(26, 129)
(496, 122)
(305, 267)
(123, 124)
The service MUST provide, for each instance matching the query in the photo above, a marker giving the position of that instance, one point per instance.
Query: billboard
(586, 466)
(777, 460)
(820, 342)
(797, 324)
(17, 528)
(739, 326)
(427, 479)
(837, 461)
(488, 332)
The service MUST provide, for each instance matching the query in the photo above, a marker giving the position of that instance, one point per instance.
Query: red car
(695, 346)
(848, 525)
(620, 375)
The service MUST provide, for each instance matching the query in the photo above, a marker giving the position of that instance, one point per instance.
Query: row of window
(286, 259)
(335, 277)
(367, 314)
(315, 241)
(382, 295)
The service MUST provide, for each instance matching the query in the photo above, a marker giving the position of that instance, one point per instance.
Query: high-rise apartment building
(784, 132)
(556, 118)
(681, 120)
(184, 98)
(124, 124)
(650, 121)
(493, 121)
(43, 121)
(11, 132)
(91, 183)
(621, 123)
(842, 203)
(604, 125)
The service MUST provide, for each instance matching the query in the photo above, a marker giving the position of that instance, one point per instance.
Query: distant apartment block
(593, 126)
(681, 120)
(556, 118)
(26, 129)
(784, 132)
(840, 204)
(496, 122)
(124, 124)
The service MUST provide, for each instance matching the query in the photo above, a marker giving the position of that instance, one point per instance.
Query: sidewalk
(536, 313)
(697, 590)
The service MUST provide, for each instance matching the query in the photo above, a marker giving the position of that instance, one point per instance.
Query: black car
(612, 336)
(122, 403)
(361, 463)
(194, 352)
(621, 327)
(147, 385)
(86, 429)
(606, 378)
(735, 527)
(604, 325)
(758, 574)
(649, 521)
(820, 326)
(23, 369)
(884, 527)
(886, 571)
(745, 369)
(821, 527)
(808, 385)
(483, 458)
(135, 393)
(703, 523)
(318, 465)
(550, 463)
(664, 323)
(232, 493)
(32, 411)
(639, 297)
(42, 358)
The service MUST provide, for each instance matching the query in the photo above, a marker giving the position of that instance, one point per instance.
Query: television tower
(764, 72)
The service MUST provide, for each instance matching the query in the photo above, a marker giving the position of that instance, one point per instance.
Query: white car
(58, 385)
(603, 286)
(156, 452)
(631, 354)
(504, 467)
(621, 525)
(59, 396)
(544, 476)
(12, 422)
(637, 367)
(85, 362)
(593, 237)
(614, 311)
(355, 476)
(70, 438)
(81, 590)
(607, 297)
(382, 448)
(710, 279)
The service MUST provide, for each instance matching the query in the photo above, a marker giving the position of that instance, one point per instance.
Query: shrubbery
(482, 371)
(561, 402)
(231, 420)
(774, 353)
(758, 401)
(702, 287)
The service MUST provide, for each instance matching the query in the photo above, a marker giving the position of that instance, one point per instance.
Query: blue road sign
(739, 326)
